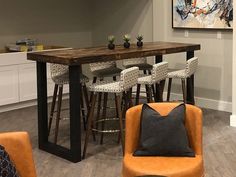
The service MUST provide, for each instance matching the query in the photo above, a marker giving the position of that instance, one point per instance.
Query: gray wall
(119, 17)
(214, 76)
(54, 22)
(80, 23)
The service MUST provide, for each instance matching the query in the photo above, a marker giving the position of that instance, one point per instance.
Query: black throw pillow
(163, 135)
(7, 168)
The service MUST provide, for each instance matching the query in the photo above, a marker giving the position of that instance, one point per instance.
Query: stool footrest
(107, 119)
(108, 107)
(107, 130)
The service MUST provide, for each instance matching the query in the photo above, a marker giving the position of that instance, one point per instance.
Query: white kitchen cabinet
(27, 82)
(9, 86)
(18, 81)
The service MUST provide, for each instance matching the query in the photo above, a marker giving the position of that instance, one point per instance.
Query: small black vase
(140, 44)
(126, 45)
(111, 46)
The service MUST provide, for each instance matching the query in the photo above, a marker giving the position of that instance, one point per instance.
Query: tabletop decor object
(24, 45)
(111, 44)
(126, 39)
(140, 42)
(201, 14)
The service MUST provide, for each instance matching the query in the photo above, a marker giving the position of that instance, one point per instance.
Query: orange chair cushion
(166, 166)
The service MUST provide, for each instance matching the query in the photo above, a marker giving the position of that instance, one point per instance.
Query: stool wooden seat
(141, 63)
(104, 69)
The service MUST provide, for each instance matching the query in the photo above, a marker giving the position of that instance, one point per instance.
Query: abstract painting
(206, 14)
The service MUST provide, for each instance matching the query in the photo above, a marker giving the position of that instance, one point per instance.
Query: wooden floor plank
(105, 160)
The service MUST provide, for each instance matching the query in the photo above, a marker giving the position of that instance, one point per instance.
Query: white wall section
(213, 79)
(233, 116)
(56, 22)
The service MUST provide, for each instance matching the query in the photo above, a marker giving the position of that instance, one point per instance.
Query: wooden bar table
(74, 58)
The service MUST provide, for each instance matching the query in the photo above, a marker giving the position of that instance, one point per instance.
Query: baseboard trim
(25, 104)
(207, 103)
(203, 102)
(15, 106)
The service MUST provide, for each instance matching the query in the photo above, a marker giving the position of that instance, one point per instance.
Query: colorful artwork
(212, 14)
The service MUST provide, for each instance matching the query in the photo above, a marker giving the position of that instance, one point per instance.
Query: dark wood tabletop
(99, 54)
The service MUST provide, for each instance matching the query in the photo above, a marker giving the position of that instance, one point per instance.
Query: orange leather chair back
(193, 124)
(18, 146)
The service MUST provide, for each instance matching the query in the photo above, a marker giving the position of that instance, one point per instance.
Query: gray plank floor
(105, 160)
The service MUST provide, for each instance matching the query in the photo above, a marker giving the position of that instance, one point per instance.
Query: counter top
(100, 54)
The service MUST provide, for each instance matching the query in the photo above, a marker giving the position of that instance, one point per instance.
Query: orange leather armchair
(163, 166)
(18, 146)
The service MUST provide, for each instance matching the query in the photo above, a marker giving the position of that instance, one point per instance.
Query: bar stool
(101, 70)
(190, 69)
(139, 62)
(60, 76)
(159, 73)
(128, 79)
(104, 69)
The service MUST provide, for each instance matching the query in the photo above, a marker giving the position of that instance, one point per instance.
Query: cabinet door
(27, 81)
(9, 85)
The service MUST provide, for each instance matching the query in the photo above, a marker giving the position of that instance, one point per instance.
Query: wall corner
(233, 120)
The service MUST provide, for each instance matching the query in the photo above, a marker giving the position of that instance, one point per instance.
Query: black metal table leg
(75, 123)
(72, 154)
(42, 104)
(158, 58)
(190, 82)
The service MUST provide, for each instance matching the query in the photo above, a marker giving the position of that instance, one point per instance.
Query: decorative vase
(140, 44)
(126, 45)
(111, 46)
